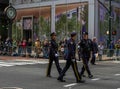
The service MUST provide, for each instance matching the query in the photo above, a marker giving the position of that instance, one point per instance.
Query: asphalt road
(31, 75)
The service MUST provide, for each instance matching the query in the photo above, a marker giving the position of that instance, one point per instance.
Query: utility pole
(110, 17)
(110, 20)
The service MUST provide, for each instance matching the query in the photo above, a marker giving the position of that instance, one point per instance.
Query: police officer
(71, 60)
(86, 49)
(53, 55)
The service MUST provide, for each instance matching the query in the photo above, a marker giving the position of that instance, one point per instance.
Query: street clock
(10, 12)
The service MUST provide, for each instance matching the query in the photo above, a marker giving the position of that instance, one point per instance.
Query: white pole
(53, 17)
(91, 18)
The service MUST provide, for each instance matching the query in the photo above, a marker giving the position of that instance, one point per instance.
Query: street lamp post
(110, 17)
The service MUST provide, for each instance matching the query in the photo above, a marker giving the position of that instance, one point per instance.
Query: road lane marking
(14, 63)
(95, 79)
(70, 85)
(117, 74)
(11, 88)
(7, 65)
(116, 61)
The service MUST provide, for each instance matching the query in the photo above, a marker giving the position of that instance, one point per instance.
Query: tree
(84, 16)
(44, 28)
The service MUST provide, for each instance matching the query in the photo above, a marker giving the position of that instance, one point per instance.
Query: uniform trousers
(85, 65)
(75, 69)
(56, 60)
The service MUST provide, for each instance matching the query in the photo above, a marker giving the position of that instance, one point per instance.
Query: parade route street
(32, 75)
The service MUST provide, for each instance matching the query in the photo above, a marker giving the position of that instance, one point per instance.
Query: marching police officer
(53, 55)
(86, 49)
(71, 60)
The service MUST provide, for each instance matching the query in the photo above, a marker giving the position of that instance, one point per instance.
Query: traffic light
(114, 32)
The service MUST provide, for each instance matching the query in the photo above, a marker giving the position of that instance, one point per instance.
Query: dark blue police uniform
(53, 56)
(86, 49)
(71, 60)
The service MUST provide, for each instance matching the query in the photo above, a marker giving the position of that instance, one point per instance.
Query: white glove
(73, 60)
(56, 55)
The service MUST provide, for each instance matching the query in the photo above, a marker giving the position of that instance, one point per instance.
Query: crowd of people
(29, 48)
(24, 47)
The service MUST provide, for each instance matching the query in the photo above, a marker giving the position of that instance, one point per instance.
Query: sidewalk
(19, 58)
(105, 58)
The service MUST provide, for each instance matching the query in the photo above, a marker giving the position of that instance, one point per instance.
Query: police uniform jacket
(71, 49)
(53, 48)
(86, 47)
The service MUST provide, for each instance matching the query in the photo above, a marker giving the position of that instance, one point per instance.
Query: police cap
(85, 33)
(73, 34)
(53, 34)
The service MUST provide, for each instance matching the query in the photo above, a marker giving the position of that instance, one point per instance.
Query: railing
(24, 51)
(18, 2)
(106, 54)
(110, 54)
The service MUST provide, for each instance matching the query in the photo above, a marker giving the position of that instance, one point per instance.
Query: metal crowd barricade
(106, 54)
(20, 51)
(5, 49)
(110, 54)
(29, 51)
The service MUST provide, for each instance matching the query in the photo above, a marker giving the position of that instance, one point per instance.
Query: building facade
(37, 18)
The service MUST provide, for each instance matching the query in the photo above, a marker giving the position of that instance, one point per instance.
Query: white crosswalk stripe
(10, 63)
(16, 63)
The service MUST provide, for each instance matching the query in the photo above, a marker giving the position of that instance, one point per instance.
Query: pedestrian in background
(19, 44)
(37, 47)
(29, 47)
(1, 45)
(71, 60)
(24, 45)
(117, 46)
(65, 48)
(53, 55)
(46, 49)
(95, 51)
(86, 51)
(111, 49)
(100, 50)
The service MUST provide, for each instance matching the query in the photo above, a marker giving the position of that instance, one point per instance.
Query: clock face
(11, 12)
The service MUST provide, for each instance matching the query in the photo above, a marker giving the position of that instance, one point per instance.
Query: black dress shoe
(83, 75)
(90, 76)
(61, 80)
(80, 81)
(93, 63)
(49, 76)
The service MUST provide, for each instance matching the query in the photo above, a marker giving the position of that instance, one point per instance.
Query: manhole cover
(11, 88)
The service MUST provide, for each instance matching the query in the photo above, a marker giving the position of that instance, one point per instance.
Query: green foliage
(44, 27)
(84, 15)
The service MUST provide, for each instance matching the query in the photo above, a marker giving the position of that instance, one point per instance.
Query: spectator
(95, 51)
(29, 47)
(65, 48)
(100, 51)
(45, 48)
(24, 44)
(117, 49)
(19, 43)
(8, 46)
(111, 49)
(1, 45)
(37, 47)
(14, 47)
